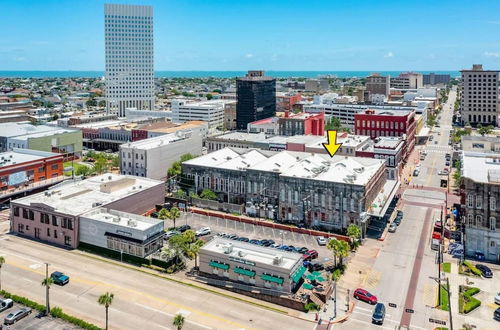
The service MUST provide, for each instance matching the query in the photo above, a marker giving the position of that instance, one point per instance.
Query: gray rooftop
(19, 156)
(481, 167)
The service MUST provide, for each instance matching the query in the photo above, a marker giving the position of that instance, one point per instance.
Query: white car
(392, 227)
(321, 240)
(497, 299)
(203, 231)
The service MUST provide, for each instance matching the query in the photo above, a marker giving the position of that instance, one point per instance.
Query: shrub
(466, 301)
(472, 268)
(311, 307)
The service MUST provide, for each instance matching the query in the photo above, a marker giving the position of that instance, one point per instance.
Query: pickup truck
(5, 304)
(59, 278)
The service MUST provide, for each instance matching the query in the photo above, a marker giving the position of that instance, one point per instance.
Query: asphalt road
(141, 301)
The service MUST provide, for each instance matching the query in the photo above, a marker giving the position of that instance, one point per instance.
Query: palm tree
(2, 261)
(178, 321)
(173, 214)
(163, 214)
(106, 300)
(47, 282)
(193, 249)
(339, 248)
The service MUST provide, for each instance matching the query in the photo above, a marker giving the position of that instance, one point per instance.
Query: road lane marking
(183, 312)
(171, 303)
(369, 323)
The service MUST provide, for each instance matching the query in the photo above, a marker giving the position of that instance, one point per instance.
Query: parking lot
(218, 225)
(32, 322)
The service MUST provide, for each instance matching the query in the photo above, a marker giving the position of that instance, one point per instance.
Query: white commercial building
(152, 157)
(210, 111)
(121, 231)
(129, 57)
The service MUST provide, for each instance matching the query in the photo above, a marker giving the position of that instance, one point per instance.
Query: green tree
(457, 175)
(193, 249)
(484, 130)
(208, 194)
(83, 170)
(100, 164)
(91, 102)
(354, 233)
(181, 194)
(115, 161)
(102, 103)
(340, 250)
(174, 214)
(2, 261)
(209, 96)
(47, 282)
(55, 117)
(106, 300)
(178, 321)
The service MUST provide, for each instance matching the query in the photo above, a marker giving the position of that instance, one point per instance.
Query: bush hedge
(466, 301)
(472, 268)
(138, 261)
(311, 307)
(55, 312)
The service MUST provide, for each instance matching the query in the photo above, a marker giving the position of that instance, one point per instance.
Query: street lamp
(447, 288)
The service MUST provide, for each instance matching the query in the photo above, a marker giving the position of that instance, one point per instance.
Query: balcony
(30, 186)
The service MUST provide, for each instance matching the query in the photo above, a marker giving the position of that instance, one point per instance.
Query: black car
(496, 314)
(183, 228)
(378, 314)
(486, 271)
(315, 266)
(232, 236)
(265, 242)
(243, 239)
(399, 214)
(254, 241)
(397, 221)
(303, 250)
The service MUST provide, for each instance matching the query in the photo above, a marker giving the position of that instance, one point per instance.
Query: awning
(307, 286)
(246, 272)
(298, 274)
(384, 199)
(270, 278)
(218, 265)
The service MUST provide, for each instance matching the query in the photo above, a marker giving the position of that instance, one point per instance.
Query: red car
(311, 254)
(366, 296)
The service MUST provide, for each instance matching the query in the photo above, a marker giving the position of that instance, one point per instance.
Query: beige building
(377, 84)
(408, 80)
(230, 116)
(480, 96)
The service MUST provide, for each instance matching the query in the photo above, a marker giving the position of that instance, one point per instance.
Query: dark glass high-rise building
(256, 97)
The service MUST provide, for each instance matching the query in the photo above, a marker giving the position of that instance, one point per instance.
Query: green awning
(298, 274)
(320, 279)
(270, 278)
(218, 265)
(316, 273)
(246, 272)
(307, 286)
(310, 277)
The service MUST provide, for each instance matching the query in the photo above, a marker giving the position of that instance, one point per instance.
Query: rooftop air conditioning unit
(228, 248)
(277, 260)
(241, 253)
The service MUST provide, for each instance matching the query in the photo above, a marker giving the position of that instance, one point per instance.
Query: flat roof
(242, 136)
(77, 197)
(481, 167)
(154, 142)
(341, 169)
(389, 142)
(19, 156)
(122, 219)
(253, 253)
(22, 129)
(177, 127)
(348, 140)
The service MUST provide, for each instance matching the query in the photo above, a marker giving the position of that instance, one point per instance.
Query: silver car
(392, 227)
(17, 315)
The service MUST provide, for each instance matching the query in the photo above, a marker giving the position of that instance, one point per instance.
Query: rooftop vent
(241, 253)
(277, 260)
(228, 248)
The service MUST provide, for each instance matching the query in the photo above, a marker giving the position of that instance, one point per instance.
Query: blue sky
(269, 34)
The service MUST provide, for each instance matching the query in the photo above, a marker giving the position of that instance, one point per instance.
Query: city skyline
(227, 36)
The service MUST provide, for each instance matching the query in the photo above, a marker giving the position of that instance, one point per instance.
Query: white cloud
(249, 55)
(389, 54)
(492, 54)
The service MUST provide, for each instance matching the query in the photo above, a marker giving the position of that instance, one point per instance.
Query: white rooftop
(481, 167)
(19, 156)
(252, 252)
(154, 142)
(122, 219)
(21, 129)
(342, 169)
(81, 196)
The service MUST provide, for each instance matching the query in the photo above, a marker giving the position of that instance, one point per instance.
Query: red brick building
(376, 123)
(25, 166)
(287, 101)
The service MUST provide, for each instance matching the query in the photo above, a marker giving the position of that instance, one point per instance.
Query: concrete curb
(384, 235)
(179, 281)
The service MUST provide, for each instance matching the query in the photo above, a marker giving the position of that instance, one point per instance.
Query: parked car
(416, 172)
(378, 314)
(365, 296)
(315, 266)
(283, 247)
(232, 236)
(4, 207)
(303, 250)
(171, 233)
(59, 278)
(203, 231)
(445, 171)
(5, 304)
(399, 214)
(321, 240)
(183, 228)
(485, 270)
(392, 227)
(496, 314)
(275, 245)
(17, 315)
(397, 221)
(497, 299)
(311, 254)
(243, 239)
(235, 237)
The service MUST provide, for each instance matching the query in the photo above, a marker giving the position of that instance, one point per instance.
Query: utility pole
(449, 302)
(347, 304)
(47, 311)
(335, 299)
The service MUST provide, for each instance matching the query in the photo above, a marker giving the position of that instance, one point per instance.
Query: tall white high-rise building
(129, 58)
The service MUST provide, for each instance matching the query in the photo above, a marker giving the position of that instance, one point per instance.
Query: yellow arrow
(332, 146)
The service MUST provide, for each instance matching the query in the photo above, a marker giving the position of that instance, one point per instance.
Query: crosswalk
(362, 315)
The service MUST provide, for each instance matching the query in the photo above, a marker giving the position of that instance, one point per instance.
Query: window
(55, 166)
(479, 202)
(48, 232)
(64, 223)
(20, 228)
(25, 214)
(67, 240)
(470, 200)
(70, 224)
(479, 220)
(55, 233)
(470, 218)
(41, 169)
(493, 224)
(31, 215)
(54, 220)
(493, 203)
(16, 211)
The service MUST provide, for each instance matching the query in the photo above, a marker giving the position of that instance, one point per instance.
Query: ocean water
(206, 74)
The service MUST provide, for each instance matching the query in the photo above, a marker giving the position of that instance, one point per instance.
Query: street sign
(392, 305)
(437, 321)
(409, 310)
